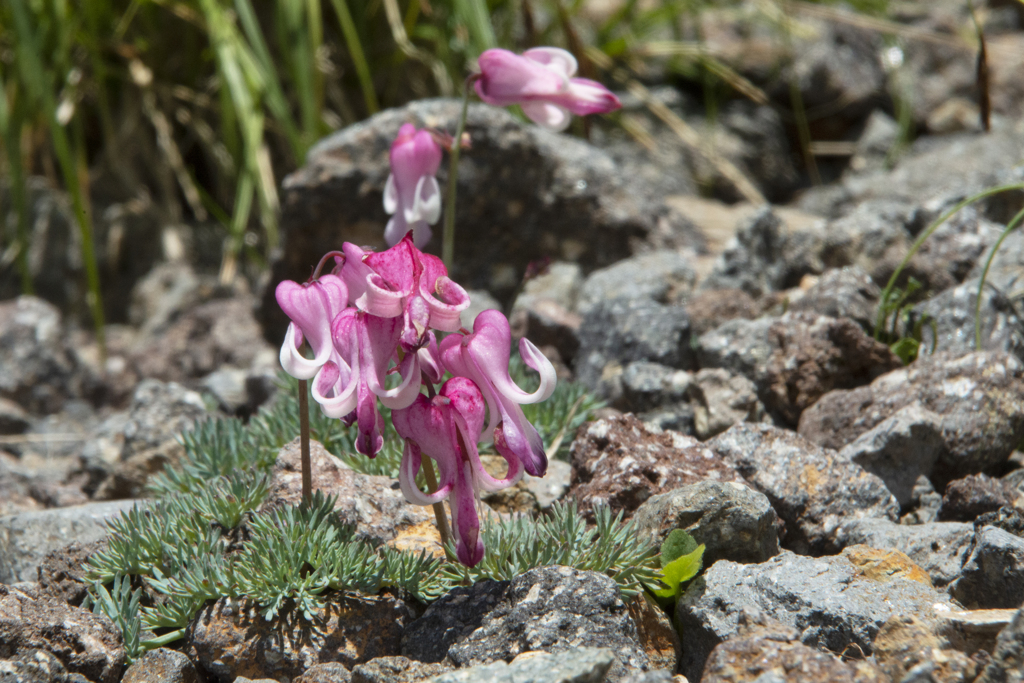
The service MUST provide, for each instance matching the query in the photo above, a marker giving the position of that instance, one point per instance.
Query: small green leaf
(679, 571)
(677, 544)
(906, 349)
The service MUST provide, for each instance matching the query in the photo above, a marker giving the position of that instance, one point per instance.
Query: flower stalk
(307, 467)
(448, 238)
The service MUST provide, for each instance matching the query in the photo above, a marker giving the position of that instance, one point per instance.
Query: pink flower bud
(412, 193)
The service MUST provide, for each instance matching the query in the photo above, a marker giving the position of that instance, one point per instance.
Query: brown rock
(231, 639)
(974, 630)
(62, 572)
(85, 643)
(374, 504)
(328, 672)
(906, 642)
(814, 354)
(767, 648)
(967, 499)
(979, 395)
(657, 636)
(709, 308)
(420, 537)
(514, 499)
(884, 565)
(161, 666)
(211, 335)
(394, 670)
(617, 461)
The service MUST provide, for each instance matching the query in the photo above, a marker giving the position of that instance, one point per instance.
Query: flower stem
(439, 514)
(307, 468)
(448, 243)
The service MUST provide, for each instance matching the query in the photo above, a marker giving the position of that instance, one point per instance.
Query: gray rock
(1007, 663)
(380, 670)
(733, 521)
(36, 666)
(162, 294)
(925, 503)
(967, 499)
(939, 548)
(659, 676)
(37, 369)
(158, 412)
(578, 665)
(450, 619)
(993, 575)
(555, 609)
(619, 331)
(534, 194)
(647, 385)
(754, 260)
(228, 386)
(560, 282)
(161, 666)
(1006, 273)
(741, 346)
(827, 600)
(723, 400)
(814, 490)
(85, 643)
(663, 276)
(328, 672)
(846, 292)
(980, 397)
(952, 313)
(552, 486)
(873, 236)
(13, 419)
(900, 449)
(26, 538)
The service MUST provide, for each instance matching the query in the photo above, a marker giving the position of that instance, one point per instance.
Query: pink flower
(540, 81)
(411, 192)
(404, 282)
(311, 307)
(447, 428)
(483, 357)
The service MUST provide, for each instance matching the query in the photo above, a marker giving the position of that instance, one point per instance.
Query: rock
(85, 643)
(37, 370)
(158, 413)
(1007, 663)
(974, 630)
(164, 293)
(230, 638)
(883, 565)
(450, 619)
(228, 387)
(900, 449)
(731, 520)
(202, 340)
(1010, 519)
(754, 260)
(373, 504)
(515, 499)
(13, 419)
(329, 672)
(620, 463)
(814, 354)
(741, 346)
(161, 666)
(659, 676)
(27, 538)
(555, 609)
(723, 400)
(657, 635)
(578, 665)
(646, 386)
(993, 574)
(547, 323)
(925, 502)
(391, 670)
(979, 395)
(662, 276)
(616, 332)
(534, 194)
(939, 548)
(907, 648)
(36, 666)
(709, 308)
(559, 282)
(828, 600)
(812, 489)
(552, 486)
(846, 292)
(952, 313)
(766, 652)
(62, 571)
(968, 498)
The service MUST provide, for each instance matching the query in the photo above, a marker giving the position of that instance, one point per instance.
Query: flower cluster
(377, 314)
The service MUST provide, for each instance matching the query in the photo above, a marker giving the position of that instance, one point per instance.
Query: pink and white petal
(467, 402)
(390, 195)
(293, 362)
(547, 115)
(507, 78)
(421, 234)
(334, 391)
(396, 229)
(369, 422)
(446, 308)
(355, 271)
(427, 206)
(430, 359)
(516, 437)
(482, 477)
(465, 523)
(379, 299)
(589, 97)
(555, 58)
(411, 460)
(533, 358)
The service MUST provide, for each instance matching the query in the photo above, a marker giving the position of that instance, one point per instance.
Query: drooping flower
(412, 193)
(404, 282)
(311, 307)
(355, 377)
(483, 357)
(447, 428)
(541, 82)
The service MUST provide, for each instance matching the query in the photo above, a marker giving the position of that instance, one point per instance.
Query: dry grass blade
(444, 81)
(699, 52)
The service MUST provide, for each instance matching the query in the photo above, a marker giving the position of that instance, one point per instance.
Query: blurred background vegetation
(198, 108)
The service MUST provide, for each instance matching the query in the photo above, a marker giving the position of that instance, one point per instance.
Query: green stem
(355, 51)
(887, 292)
(1010, 227)
(448, 243)
(10, 126)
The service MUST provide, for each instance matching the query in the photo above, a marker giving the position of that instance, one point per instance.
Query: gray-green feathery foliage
(520, 544)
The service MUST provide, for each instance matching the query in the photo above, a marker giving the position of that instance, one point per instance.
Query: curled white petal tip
(293, 362)
(390, 195)
(532, 356)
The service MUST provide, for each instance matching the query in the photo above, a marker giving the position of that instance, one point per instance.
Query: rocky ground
(863, 518)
